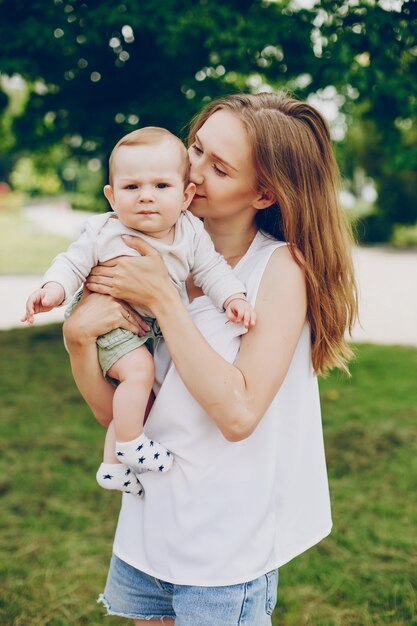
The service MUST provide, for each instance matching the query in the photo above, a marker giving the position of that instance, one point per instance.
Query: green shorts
(118, 342)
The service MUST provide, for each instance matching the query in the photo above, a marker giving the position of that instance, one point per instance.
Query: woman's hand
(97, 314)
(141, 280)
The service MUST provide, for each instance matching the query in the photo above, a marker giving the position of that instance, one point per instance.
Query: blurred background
(75, 75)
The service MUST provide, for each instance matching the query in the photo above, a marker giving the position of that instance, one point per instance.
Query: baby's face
(148, 189)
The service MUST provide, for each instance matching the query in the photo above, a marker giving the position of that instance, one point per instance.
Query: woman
(248, 490)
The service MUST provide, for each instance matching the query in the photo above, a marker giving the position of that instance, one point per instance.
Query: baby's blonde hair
(148, 136)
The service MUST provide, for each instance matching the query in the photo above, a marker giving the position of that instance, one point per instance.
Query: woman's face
(221, 168)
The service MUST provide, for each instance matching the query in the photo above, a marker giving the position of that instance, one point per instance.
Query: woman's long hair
(294, 162)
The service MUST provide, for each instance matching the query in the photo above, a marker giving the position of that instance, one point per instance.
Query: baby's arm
(71, 268)
(67, 272)
(45, 299)
(239, 311)
(209, 269)
(216, 278)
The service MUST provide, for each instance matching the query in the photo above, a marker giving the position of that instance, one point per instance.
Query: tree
(99, 69)
(370, 54)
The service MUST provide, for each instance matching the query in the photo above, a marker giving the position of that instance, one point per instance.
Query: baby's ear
(189, 192)
(108, 192)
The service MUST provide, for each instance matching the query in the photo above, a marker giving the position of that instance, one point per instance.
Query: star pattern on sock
(113, 476)
(153, 456)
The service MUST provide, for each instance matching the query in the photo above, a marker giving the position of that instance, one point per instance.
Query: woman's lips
(197, 196)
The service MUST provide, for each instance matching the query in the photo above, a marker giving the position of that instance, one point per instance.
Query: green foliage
(57, 525)
(97, 70)
(371, 57)
(27, 179)
(104, 68)
(88, 202)
(405, 236)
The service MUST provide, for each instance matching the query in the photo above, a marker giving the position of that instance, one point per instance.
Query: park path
(387, 284)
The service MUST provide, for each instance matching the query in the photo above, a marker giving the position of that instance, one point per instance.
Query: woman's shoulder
(271, 262)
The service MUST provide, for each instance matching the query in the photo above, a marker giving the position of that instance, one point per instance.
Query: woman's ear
(108, 192)
(189, 192)
(264, 200)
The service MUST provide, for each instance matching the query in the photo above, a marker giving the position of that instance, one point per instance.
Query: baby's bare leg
(109, 455)
(135, 373)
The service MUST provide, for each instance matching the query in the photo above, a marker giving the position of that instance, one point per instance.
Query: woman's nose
(196, 174)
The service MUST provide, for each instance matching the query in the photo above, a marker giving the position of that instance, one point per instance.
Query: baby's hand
(238, 310)
(45, 299)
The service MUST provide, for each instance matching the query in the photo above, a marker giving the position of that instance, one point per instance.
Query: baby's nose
(146, 195)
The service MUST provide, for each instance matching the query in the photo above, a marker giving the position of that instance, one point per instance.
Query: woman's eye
(218, 171)
(196, 149)
(162, 185)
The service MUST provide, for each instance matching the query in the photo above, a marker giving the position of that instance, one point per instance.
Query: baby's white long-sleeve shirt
(191, 251)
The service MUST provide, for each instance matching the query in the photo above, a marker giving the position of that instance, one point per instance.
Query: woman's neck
(231, 240)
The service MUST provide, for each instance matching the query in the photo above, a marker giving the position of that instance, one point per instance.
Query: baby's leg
(109, 454)
(112, 474)
(135, 373)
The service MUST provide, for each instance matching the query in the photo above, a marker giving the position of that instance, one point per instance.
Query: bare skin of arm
(95, 315)
(234, 395)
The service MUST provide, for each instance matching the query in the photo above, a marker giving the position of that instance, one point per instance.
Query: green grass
(57, 525)
(24, 248)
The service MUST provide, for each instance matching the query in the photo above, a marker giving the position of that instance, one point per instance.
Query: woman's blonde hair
(294, 162)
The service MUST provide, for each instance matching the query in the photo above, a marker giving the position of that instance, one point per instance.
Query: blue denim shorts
(131, 593)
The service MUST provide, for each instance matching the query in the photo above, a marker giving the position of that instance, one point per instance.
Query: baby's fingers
(30, 310)
(28, 317)
(247, 318)
(231, 314)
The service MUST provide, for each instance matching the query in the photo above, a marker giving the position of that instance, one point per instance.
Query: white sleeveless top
(228, 512)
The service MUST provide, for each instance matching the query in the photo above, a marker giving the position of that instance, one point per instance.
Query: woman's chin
(195, 209)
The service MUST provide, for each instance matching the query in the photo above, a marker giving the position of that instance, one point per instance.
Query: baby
(149, 191)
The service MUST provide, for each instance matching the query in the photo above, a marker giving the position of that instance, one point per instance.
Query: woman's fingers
(136, 279)
(133, 317)
(139, 245)
(103, 270)
(128, 322)
(99, 285)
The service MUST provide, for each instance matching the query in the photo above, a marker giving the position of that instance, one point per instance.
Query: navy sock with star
(143, 454)
(119, 477)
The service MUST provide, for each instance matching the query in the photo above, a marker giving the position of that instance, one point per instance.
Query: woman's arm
(95, 315)
(235, 395)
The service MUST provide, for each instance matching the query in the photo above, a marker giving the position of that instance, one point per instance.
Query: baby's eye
(218, 171)
(162, 185)
(132, 186)
(196, 149)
